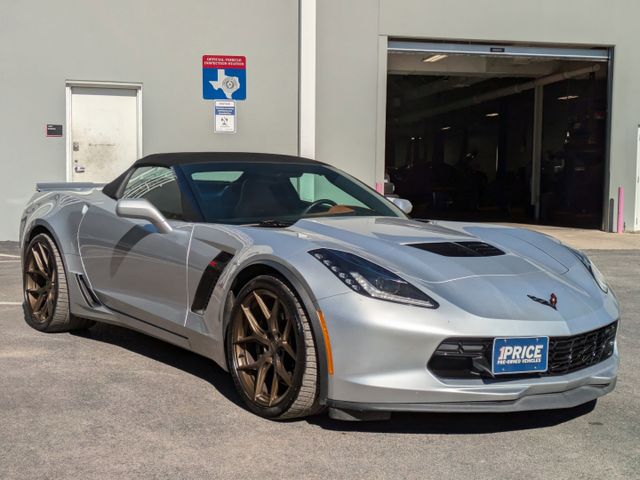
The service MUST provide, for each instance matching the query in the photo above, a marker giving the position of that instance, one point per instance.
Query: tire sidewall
(287, 297)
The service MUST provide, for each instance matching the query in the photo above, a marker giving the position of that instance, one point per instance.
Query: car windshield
(274, 194)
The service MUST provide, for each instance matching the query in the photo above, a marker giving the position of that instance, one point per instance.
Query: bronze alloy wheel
(41, 281)
(264, 348)
(271, 351)
(46, 294)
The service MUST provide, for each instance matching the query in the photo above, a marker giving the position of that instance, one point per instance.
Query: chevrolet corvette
(315, 292)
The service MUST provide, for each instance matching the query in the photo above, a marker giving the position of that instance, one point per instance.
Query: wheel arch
(60, 320)
(38, 227)
(268, 266)
(42, 226)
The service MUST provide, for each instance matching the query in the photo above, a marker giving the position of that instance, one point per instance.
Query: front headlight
(593, 270)
(371, 280)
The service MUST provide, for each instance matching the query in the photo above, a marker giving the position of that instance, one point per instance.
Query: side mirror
(402, 203)
(141, 209)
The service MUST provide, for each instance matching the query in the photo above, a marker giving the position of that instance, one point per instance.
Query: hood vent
(459, 249)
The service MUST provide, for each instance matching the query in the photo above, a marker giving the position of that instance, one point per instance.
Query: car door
(132, 267)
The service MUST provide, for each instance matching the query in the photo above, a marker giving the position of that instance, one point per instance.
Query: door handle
(77, 167)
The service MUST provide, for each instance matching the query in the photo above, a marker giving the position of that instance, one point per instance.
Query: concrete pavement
(112, 403)
(583, 239)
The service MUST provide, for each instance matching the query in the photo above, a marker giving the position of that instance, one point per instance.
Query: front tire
(46, 296)
(271, 351)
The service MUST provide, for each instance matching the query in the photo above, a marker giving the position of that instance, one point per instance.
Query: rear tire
(46, 295)
(271, 352)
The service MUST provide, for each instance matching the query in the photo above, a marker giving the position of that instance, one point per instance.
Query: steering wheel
(317, 203)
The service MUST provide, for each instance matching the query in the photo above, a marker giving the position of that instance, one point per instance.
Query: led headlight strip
(371, 280)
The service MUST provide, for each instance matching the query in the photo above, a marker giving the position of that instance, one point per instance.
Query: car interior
(250, 195)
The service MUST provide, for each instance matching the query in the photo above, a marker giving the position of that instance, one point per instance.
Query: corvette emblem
(552, 302)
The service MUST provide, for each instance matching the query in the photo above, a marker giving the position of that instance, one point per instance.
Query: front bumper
(381, 350)
(526, 398)
(547, 401)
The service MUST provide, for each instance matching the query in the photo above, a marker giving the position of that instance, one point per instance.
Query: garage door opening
(487, 133)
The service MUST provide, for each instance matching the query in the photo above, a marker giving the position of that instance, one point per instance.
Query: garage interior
(498, 133)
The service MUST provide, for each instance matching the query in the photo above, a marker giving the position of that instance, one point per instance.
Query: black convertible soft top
(171, 159)
(184, 158)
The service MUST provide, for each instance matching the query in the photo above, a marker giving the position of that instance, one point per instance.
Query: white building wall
(157, 43)
(160, 43)
(347, 85)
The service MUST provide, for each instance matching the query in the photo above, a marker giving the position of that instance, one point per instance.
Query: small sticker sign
(224, 112)
(54, 130)
(224, 77)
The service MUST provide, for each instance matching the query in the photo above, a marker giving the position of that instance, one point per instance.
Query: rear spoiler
(69, 186)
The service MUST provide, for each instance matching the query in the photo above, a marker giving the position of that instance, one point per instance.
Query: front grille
(568, 354)
(471, 357)
(459, 249)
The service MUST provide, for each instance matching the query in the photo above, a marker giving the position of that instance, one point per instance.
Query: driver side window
(159, 186)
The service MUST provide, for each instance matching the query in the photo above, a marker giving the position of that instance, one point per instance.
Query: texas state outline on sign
(224, 77)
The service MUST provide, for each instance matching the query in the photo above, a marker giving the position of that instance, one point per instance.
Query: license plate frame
(525, 359)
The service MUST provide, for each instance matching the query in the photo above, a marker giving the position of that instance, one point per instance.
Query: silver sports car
(316, 292)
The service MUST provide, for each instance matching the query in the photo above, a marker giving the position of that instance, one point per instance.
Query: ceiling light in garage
(492, 114)
(445, 128)
(434, 58)
(568, 97)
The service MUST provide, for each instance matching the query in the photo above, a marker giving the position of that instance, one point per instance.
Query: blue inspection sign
(224, 77)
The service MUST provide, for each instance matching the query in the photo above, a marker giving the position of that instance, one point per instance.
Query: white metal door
(104, 138)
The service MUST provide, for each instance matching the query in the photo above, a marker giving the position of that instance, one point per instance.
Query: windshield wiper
(271, 223)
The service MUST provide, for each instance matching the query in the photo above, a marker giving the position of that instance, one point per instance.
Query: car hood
(394, 241)
(532, 264)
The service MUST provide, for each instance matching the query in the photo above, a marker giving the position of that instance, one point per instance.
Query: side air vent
(459, 249)
(88, 294)
(208, 282)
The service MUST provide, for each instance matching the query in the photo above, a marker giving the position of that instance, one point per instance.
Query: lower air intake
(471, 357)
